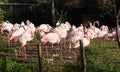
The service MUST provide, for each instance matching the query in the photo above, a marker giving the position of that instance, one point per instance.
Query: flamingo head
(1, 29)
(44, 40)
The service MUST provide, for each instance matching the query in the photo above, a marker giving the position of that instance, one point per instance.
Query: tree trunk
(53, 12)
(117, 23)
(117, 29)
(117, 33)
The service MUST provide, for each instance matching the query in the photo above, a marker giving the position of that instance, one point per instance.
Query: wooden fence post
(82, 55)
(39, 57)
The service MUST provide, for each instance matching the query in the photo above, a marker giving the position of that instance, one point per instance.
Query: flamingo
(103, 30)
(45, 27)
(25, 37)
(17, 33)
(91, 33)
(61, 32)
(65, 25)
(73, 36)
(58, 23)
(103, 33)
(92, 27)
(6, 26)
(51, 38)
(74, 40)
(73, 27)
(40, 34)
(31, 27)
(15, 27)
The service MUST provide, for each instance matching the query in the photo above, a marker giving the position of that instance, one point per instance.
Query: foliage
(3, 0)
(71, 67)
(106, 10)
(2, 48)
(25, 67)
(97, 60)
(1, 15)
(74, 11)
(7, 64)
(62, 16)
(22, 1)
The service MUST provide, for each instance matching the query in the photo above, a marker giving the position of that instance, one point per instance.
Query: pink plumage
(51, 38)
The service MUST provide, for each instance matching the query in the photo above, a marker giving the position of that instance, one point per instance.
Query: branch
(118, 14)
(115, 8)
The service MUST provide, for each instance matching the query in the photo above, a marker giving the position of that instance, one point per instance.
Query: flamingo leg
(15, 53)
(70, 47)
(24, 50)
(46, 51)
(20, 51)
(8, 43)
(61, 54)
(52, 46)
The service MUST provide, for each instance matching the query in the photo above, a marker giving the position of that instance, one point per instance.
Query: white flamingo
(51, 38)
(103, 33)
(58, 23)
(74, 40)
(103, 30)
(6, 26)
(25, 37)
(92, 27)
(45, 27)
(73, 36)
(40, 34)
(16, 26)
(66, 25)
(61, 32)
(17, 33)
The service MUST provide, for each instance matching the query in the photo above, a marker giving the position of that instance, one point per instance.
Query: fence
(45, 55)
(41, 53)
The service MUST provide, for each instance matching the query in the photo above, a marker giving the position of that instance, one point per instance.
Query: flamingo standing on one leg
(25, 37)
(51, 38)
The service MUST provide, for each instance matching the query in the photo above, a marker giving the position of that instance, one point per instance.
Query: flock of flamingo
(63, 32)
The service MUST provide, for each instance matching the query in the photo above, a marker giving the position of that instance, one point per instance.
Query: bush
(71, 67)
(8, 65)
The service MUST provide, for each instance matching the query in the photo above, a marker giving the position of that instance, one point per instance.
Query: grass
(101, 56)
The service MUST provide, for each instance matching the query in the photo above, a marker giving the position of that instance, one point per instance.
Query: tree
(2, 12)
(117, 15)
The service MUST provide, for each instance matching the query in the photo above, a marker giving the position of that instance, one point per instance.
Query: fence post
(82, 55)
(39, 57)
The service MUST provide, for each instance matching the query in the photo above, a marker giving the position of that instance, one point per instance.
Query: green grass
(101, 56)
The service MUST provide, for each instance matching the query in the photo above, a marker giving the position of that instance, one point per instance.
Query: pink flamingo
(6, 26)
(51, 38)
(25, 37)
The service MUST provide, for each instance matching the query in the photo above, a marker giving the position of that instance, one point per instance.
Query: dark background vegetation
(74, 11)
